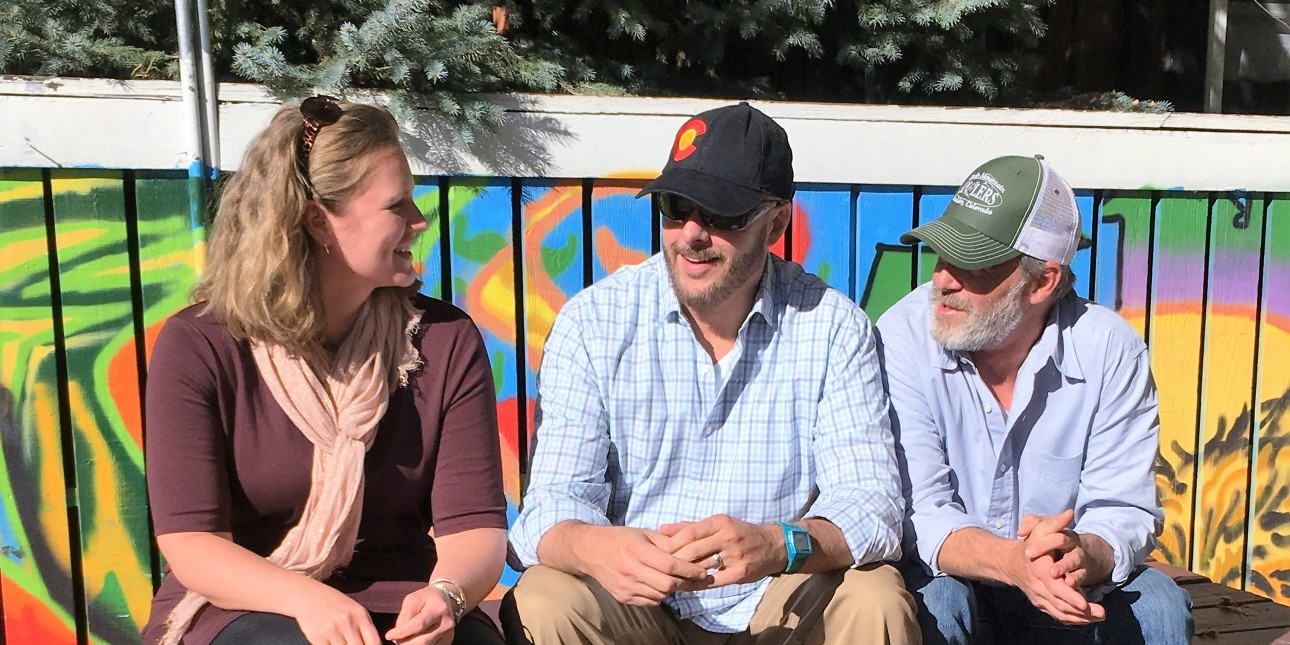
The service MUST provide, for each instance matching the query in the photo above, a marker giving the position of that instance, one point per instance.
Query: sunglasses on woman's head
(316, 112)
(679, 210)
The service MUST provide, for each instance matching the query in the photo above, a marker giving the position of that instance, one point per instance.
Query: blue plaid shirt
(633, 430)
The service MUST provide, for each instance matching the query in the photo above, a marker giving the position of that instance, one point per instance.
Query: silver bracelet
(456, 595)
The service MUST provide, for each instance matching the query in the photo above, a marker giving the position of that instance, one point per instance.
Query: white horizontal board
(142, 124)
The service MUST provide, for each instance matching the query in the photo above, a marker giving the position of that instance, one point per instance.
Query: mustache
(697, 255)
(952, 301)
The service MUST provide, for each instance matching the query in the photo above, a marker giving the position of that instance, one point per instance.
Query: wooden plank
(98, 323)
(1177, 304)
(1123, 246)
(171, 244)
(1273, 635)
(931, 204)
(1082, 265)
(1269, 527)
(622, 227)
(1223, 470)
(428, 249)
(35, 552)
(552, 257)
(172, 248)
(483, 277)
(1178, 574)
(1208, 594)
(823, 234)
(1230, 619)
(884, 267)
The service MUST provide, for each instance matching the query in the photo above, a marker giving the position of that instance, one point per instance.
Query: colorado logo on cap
(684, 146)
(981, 193)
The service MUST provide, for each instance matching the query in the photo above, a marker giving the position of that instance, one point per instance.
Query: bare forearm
(830, 551)
(230, 576)
(472, 559)
(980, 555)
(557, 549)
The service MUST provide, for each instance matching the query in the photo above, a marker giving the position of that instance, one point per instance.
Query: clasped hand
(641, 567)
(330, 617)
(1053, 568)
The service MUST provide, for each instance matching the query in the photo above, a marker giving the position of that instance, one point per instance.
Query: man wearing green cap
(1026, 425)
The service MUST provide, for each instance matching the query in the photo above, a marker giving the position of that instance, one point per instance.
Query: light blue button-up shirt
(635, 429)
(1082, 432)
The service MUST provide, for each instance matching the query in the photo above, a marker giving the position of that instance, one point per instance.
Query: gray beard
(980, 330)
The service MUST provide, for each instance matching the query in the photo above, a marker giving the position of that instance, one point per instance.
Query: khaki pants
(853, 606)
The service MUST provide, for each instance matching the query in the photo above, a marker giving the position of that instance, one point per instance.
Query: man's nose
(692, 230)
(943, 277)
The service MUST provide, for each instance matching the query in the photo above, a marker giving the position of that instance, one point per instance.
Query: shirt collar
(1059, 335)
(1055, 341)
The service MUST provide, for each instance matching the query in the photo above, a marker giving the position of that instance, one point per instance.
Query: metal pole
(197, 175)
(1216, 59)
(189, 92)
(209, 94)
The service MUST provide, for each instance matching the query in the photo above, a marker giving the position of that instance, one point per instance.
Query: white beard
(980, 330)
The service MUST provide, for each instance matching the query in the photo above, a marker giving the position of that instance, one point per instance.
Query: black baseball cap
(727, 160)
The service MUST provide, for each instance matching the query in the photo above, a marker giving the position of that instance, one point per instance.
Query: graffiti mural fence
(95, 260)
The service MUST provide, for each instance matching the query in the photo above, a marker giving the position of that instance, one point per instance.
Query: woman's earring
(327, 248)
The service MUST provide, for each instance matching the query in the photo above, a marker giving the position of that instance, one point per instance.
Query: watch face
(802, 541)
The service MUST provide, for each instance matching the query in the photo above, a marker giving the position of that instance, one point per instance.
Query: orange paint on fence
(613, 255)
(123, 387)
(508, 417)
(28, 620)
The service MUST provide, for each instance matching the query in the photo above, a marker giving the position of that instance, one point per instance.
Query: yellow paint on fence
(49, 467)
(1175, 363)
(107, 549)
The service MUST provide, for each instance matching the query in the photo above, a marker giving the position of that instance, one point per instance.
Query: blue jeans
(1148, 610)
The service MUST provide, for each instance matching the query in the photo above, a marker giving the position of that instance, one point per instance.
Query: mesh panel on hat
(1051, 230)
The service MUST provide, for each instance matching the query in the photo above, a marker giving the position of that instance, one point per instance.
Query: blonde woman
(312, 420)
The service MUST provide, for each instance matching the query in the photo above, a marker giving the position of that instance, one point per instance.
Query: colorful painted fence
(92, 261)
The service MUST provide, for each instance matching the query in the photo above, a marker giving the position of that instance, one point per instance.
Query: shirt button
(998, 524)
(989, 408)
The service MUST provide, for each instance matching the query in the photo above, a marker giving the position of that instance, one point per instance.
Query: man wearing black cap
(1026, 421)
(712, 459)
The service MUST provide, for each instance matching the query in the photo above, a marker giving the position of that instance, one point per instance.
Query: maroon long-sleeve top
(223, 456)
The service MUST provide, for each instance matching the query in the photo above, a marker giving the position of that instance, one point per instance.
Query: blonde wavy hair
(261, 276)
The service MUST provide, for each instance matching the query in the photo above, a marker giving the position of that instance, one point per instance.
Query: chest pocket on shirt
(1052, 468)
(1050, 483)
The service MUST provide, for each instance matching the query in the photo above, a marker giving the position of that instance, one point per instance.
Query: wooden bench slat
(1242, 618)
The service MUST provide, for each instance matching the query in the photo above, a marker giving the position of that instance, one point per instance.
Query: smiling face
(709, 268)
(372, 233)
(977, 310)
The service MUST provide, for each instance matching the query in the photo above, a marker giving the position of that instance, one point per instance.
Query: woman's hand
(425, 619)
(329, 617)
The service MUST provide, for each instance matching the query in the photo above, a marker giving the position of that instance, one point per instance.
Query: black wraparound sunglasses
(678, 210)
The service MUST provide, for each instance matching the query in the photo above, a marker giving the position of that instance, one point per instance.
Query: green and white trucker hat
(1007, 207)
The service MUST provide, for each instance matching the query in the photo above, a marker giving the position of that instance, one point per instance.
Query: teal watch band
(798, 542)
